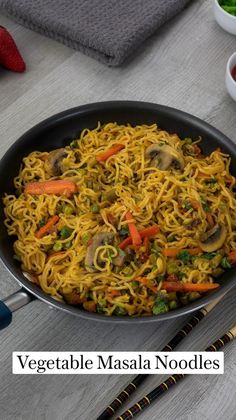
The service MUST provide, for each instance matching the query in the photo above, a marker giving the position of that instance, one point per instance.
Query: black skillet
(57, 131)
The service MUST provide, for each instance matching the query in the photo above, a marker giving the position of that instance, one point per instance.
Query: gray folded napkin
(108, 30)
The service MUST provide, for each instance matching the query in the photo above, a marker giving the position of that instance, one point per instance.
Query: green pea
(173, 304)
(188, 140)
(193, 296)
(57, 246)
(85, 238)
(68, 245)
(128, 271)
(94, 208)
(184, 299)
(67, 209)
(135, 284)
(172, 268)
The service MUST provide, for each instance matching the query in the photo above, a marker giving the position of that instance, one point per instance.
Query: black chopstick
(172, 380)
(139, 379)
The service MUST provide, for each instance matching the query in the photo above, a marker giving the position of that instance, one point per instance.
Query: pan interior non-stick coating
(58, 130)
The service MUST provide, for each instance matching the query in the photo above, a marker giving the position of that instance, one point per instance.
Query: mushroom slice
(55, 161)
(213, 239)
(73, 298)
(119, 260)
(164, 156)
(98, 240)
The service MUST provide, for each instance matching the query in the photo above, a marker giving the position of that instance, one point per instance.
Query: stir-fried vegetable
(57, 246)
(182, 254)
(59, 254)
(147, 232)
(188, 287)
(232, 257)
(225, 263)
(67, 209)
(65, 232)
(161, 305)
(44, 230)
(94, 208)
(116, 148)
(134, 233)
(120, 311)
(58, 187)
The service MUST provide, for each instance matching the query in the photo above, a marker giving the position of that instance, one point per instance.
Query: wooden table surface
(183, 67)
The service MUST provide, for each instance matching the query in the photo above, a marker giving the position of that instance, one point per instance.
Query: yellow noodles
(128, 180)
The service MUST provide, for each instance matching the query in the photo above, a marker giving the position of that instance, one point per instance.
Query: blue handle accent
(5, 316)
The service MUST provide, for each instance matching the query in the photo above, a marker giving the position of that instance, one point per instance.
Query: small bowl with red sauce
(230, 76)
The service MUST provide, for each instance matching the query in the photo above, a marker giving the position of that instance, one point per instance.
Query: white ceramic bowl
(224, 19)
(229, 81)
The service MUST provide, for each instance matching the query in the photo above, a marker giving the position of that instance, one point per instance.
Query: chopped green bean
(65, 232)
(120, 311)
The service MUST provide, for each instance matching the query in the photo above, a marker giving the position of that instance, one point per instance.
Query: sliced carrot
(43, 157)
(194, 251)
(173, 252)
(232, 256)
(142, 280)
(146, 282)
(126, 242)
(56, 254)
(90, 306)
(172, 277)
(57, 187)
(116, 148)
(188, 287)
(146, 244)
(203, 175)
(74, 298)
(114, 292)
(197, 149)
(34, 278)
(230, 180)
(210, 219)
(195, 204)
(147, 232)
(134, 233)
(46, 228)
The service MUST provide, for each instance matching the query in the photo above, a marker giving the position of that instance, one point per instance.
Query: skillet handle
(11, 304)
